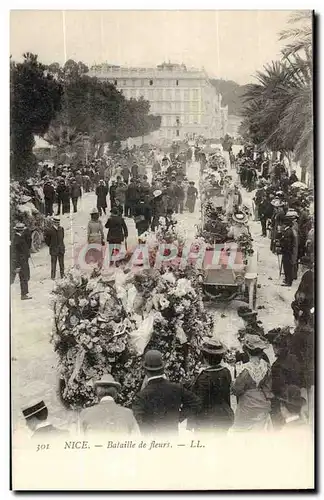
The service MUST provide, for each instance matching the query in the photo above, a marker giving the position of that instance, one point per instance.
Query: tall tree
(35, 99)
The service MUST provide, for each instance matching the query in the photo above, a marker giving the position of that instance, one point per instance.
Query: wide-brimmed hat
(25, 198)
(153, 360)
(212, 346)
(107, 380)
(253, 342)
(240, 217)
(292, 214)
(19, 226)
(157, 193)
(291, 395)
(94, 211)
(276, 202)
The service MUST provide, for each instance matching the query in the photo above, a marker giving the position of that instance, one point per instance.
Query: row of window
(179, 121)
(153, 82)
(163, 94)
(179, 107)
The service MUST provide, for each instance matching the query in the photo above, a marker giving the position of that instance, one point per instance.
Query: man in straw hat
(158, 208)
(161, 404)
(20, 255)
(107, 416)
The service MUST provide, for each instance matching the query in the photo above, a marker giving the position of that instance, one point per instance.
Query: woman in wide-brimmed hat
(212, 386)
(253, 388)
(239, 226)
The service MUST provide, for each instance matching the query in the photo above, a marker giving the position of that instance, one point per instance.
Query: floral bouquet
(93, 330)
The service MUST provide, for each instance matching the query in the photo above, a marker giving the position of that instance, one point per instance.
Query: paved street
(33, 360)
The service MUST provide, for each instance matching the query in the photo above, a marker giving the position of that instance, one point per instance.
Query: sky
(231, 45)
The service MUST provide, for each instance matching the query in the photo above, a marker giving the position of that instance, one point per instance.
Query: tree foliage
(35, 99)
(279, 106)
(96, 108)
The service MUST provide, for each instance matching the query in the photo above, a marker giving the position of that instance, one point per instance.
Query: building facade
(185, 98)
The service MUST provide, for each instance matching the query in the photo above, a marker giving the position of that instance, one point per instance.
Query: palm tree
(65, 138)
(279, 107)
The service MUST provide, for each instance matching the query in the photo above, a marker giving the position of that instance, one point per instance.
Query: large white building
(185, 98)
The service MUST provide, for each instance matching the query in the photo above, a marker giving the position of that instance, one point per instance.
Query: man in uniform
(36, 416)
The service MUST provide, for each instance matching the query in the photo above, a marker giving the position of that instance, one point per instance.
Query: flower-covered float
(104, 324)
(230, 261)
(22, 209)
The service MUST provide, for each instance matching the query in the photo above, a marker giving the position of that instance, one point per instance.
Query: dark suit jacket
(54, 239)
(162, 404)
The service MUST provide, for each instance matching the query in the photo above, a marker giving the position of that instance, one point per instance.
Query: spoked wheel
(36, 242)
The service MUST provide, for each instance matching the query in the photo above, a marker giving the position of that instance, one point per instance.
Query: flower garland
(93, 330)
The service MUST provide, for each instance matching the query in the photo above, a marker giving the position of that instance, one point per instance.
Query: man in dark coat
(293, 178)
(134, 170)
(161, 404)
(112, 194)
(265, 209)
(192, 194)
(101, 192)
(36, 416)
(54, 239)
(132, 195)
(288, 247)
(158, 208)
(20, 254)
(179, 197)
(49, 196)
(75, 194)
(142, 216)
(125, 173)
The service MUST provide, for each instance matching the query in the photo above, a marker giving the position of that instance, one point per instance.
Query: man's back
(108, 417)
(157, 407)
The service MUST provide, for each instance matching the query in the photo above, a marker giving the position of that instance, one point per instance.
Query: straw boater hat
(212, 346)
(19, 226)
(56, 219)
(94, 211)
(276, 202)
(240, 217)
(253, 342)
(292, 214)
(107, 380)
(157, 193)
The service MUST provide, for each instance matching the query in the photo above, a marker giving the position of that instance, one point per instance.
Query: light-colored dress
(253, 390)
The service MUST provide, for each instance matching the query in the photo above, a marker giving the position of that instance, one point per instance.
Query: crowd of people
(266, 395)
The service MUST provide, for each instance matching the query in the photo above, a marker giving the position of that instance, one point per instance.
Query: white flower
(164, 303)
(83, 302)
(169, 277)
(72, 302)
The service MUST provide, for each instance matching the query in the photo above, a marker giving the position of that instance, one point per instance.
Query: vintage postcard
(162, 250)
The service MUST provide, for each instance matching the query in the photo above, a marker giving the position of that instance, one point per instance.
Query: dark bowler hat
(34, 409)
(212, 346)
(153, 360)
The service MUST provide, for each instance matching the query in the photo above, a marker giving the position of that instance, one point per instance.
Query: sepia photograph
(162, 250)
